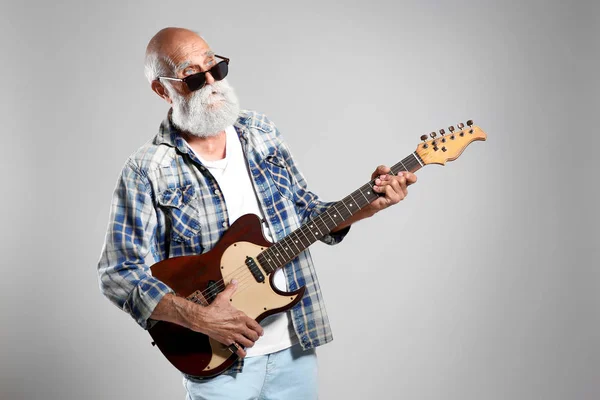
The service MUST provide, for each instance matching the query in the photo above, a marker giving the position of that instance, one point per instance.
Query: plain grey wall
(482, 284)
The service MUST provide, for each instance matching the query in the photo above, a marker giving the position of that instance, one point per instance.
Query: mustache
(217, 88)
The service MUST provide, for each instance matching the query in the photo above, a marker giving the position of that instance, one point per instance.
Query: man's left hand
(393, 188)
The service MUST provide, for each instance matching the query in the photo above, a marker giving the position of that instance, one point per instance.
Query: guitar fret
(295, 241)
(308, 242)
(311, 229)
(418, 160)
(345, 205)
(281, 250)
(333, 223)
(272, 265)
(317, 224)
(264, 263)
(361, 202)
(337, 212)
(275, 250)
(364, 197)
(280, 254)
(287, 247)
(302, 236)
(270, 256)
(406, 169)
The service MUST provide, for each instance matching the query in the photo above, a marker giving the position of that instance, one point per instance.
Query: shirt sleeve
(308, 203)
(125, 278)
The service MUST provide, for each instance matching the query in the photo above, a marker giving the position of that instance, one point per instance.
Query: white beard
(207, 111)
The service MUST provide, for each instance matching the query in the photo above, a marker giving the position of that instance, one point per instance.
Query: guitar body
(200, 278)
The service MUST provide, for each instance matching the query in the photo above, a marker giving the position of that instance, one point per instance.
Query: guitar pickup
(253, 267)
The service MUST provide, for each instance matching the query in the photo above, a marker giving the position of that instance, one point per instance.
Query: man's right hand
(220, 320)
(227, 324)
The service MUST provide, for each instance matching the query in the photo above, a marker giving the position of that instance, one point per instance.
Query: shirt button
(217, 191)
(224, 224)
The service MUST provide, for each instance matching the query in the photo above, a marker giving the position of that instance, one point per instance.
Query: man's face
(209, 110)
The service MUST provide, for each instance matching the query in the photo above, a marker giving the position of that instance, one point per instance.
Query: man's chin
(215, 105)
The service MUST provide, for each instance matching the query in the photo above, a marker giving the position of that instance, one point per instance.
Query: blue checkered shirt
(166, 204)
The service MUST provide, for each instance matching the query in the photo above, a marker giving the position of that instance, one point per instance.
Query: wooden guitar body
(200, 278)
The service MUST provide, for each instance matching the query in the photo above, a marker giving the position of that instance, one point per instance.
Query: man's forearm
(178, 310)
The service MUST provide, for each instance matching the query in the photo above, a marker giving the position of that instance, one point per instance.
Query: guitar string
(219, 285)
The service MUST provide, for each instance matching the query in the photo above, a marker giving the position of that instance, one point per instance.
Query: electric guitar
(244, 254)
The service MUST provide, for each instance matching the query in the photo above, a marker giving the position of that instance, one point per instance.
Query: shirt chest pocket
(181, 213)
(279, 174)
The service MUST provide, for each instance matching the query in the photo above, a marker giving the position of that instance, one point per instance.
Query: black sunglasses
(197, 81)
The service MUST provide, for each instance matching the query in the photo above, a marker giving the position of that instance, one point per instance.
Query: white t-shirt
(234, 182)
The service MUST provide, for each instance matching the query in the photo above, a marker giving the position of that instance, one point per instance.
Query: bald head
(168, 50)
(204, 110)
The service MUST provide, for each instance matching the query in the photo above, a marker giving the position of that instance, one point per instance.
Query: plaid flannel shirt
(167, 204)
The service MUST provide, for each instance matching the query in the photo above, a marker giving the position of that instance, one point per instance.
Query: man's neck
(209, 148)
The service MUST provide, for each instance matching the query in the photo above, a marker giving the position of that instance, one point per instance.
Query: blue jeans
(287, 375)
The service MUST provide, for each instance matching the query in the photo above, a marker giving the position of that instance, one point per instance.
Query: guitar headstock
(448, 146)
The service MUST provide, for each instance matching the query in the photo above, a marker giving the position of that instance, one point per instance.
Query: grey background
(482, 284)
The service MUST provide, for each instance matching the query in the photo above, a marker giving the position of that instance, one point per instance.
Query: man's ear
(161, 91)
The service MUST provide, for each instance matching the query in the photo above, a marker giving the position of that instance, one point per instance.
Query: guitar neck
(296, 242)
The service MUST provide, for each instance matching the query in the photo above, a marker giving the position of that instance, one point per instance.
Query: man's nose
(209, 78)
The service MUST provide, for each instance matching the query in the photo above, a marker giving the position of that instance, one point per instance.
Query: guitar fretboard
(296, 242)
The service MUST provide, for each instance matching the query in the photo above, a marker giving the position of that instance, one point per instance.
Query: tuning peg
(433, 135)
(451, 129)
(423, 137)
(470, 122)
(460, 125)
(442, 132)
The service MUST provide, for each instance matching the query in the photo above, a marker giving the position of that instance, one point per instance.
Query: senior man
(209, 164)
